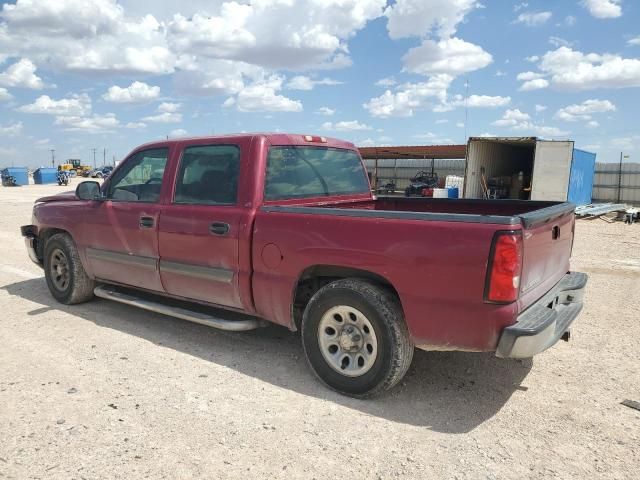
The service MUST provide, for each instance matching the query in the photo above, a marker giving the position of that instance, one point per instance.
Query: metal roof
(414, 151)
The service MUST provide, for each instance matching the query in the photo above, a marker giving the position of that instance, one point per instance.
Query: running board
(111, 293)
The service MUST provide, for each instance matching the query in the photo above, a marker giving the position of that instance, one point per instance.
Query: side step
(110, 293)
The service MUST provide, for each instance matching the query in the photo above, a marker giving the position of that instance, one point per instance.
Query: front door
(199, 230)
(122, 235)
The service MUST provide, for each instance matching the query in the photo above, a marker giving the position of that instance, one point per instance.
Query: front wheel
(66, 278)
(355, 338)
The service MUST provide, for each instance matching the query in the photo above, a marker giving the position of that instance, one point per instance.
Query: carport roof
(414, 151)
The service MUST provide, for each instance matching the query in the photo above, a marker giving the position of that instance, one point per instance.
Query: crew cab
(239, 230)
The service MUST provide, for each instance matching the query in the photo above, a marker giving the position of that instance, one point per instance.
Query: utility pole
(94, 157)
(620, 175)
(466, 109)
(104, 157)
(53, 157)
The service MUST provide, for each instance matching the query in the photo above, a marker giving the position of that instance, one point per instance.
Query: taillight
(505, 267)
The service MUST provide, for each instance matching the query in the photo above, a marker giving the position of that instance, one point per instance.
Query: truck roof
(274, 138)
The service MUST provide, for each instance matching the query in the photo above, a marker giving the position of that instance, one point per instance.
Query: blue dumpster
(45, 175)
(15, 176)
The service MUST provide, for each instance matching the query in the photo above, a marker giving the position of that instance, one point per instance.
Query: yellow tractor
(74, 168)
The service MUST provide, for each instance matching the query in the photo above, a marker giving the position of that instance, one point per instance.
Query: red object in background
(427, 192)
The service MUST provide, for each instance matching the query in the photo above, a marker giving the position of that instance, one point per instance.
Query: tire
(61, 261)
(379, 347)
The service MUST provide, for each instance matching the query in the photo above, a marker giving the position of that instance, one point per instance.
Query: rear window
(297, 172)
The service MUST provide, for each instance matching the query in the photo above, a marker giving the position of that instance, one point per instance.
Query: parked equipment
(422, 180)
(14, 176)
(45, 175)
(62, 177)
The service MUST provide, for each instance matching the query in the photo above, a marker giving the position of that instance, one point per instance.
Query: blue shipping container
(45, 175)
(20, 175)
(581, 178)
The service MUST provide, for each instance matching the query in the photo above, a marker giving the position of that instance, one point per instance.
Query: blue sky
(78, 74)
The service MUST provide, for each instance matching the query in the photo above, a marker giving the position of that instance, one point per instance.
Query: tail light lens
(505, 267)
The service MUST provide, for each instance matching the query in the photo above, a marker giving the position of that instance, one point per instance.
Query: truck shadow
(449, 392)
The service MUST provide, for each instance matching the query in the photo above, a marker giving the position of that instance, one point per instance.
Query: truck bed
(505, 212)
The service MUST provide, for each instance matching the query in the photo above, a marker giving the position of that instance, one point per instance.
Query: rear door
(121, 232)
(199, 230)
(551, 170)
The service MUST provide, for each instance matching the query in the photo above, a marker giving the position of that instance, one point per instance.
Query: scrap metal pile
(609, 212)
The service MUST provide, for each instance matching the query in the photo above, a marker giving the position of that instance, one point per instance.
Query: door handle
(146, 222)
(219, 228)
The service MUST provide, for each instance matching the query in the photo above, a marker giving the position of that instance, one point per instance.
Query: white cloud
(92, 124)
(560, 42)
(533, 19)
(473, 101)
(512, 118)
(169, 107)
(11, 130)
(166, 112)
(540, 108)
(76, 106)
(261, 96)
(441, 121)
(345, 126)
(178, 132)
(520, 6)
(135, 125)
(571, 69)
(536, 84)
(569, 21)
(325, 111)
(520, 121)
(417, 18)
(21, 74)
(634, 41)
(526, 76)
(386, 82)
(592, 124)
(603, 8)
(584, 110)
(5, 95)
(409, 97)
(452, 56)
(164, 117)
(274, 34)
(301, 82)
(137, 92)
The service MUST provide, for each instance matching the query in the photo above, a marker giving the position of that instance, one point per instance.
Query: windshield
(295, 172)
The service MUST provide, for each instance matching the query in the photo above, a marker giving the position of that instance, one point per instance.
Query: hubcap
(59, 269)
(347, 341)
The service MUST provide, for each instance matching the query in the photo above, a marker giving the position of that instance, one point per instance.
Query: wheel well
(45, 235)
(317, 276)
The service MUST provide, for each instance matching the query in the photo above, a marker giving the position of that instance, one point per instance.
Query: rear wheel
(66, 278)
(355, 338)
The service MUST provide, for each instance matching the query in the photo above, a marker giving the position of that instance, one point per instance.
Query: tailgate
(547, 241)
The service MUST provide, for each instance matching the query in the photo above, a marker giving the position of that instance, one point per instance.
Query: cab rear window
(298, 172)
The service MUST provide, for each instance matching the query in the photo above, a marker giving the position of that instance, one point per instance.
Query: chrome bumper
(545, 322)
(30, 242)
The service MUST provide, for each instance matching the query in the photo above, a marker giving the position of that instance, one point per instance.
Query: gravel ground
(103, 390)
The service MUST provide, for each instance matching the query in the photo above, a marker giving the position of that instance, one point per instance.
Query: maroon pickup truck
(284, 228)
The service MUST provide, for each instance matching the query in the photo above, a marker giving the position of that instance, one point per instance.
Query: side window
(140, 178)
(208, 175)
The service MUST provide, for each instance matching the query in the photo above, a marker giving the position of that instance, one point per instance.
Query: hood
(60, 197)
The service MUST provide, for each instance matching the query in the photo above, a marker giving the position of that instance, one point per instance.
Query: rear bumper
(30, 239)
(542, 324)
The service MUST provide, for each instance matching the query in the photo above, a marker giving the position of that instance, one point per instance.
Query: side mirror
(88, 191)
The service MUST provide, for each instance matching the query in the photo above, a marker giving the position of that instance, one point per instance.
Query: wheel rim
(59, 269)
(347, 341)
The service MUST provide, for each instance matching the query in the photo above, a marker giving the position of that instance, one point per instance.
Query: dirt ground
(102, 390)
